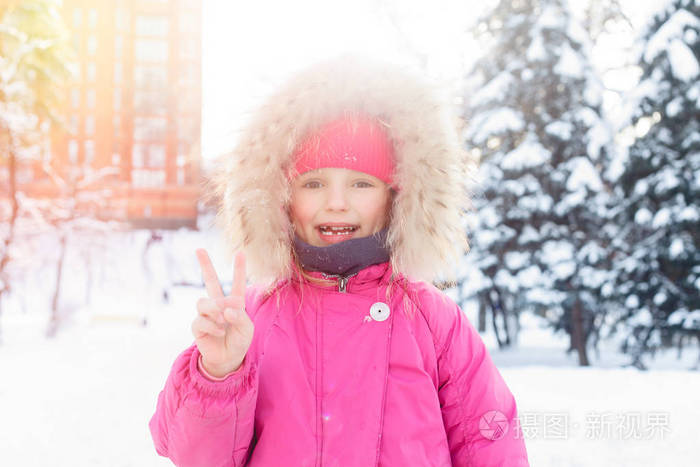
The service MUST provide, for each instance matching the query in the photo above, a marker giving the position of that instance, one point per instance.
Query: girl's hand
(222, 329)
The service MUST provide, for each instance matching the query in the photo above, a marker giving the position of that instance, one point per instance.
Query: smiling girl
(343, 201)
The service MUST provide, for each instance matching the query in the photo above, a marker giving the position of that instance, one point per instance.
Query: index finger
(238, 287)
(211, 280)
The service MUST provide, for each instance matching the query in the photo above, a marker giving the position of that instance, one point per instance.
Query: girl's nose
(337, 198)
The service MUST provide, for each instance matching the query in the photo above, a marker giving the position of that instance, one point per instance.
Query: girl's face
(331, 205)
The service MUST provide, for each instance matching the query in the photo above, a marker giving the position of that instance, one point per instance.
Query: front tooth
(338, 230)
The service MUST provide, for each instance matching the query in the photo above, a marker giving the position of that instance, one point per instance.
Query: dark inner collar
(346, 257)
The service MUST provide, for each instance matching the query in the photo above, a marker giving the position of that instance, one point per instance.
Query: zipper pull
(342, 281)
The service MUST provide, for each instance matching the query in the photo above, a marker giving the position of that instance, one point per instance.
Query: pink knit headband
(356, 143)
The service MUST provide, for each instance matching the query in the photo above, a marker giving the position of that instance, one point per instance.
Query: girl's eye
(311, 184)
(363, 184)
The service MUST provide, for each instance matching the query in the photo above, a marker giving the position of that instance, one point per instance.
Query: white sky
(249, 48)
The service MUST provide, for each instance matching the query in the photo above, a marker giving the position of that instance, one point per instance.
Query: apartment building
(135, 106)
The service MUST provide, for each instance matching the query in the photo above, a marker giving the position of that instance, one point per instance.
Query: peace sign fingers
(211, 280)
(223, 331)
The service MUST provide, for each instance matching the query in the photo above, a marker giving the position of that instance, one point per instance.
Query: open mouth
(334, 233)
(334, 230)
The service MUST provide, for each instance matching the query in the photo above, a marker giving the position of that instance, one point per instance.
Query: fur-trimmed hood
(426, 231)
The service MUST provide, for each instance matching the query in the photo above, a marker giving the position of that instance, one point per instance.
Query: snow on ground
(85, 397)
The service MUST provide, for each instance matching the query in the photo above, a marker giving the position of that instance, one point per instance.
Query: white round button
(379, 311)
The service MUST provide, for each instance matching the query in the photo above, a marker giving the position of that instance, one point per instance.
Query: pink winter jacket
(333, 381)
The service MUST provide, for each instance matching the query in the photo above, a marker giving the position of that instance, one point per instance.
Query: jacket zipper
(342, 287)
(342, 280)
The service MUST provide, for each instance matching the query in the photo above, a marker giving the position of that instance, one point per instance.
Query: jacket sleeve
(199, 422)
(478, 410)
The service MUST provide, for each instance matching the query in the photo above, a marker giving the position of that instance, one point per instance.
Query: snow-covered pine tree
(534, 118)
(658, 264)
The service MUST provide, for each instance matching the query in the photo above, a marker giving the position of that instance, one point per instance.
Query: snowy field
(84, 399)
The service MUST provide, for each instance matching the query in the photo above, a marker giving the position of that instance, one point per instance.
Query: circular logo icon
(493, 425)
(379, 311)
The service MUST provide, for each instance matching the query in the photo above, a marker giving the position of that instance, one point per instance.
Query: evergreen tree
(535, 120)
(658, 262)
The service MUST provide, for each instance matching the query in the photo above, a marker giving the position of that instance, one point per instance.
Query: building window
(118, 45)
(77, 17)
(117, 126)
(150, 128)
(90, 99)
(73, 125)
(120, 19)
(152, 25)
(151, 50)
(77, 70)
(188, 128)
(148, 155)
(116, 158)
(151, 102)
(118, 71)
(76, 43)
(153, 77)
(89, 151)
(91, 71)
(75, 98)
(156, 156)
(92, 45)
(92, 18)
(147, 178)
(117, 98)
(90, 125)
(138, 155)
(180, 176)
(73, 151)
(182, 151)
